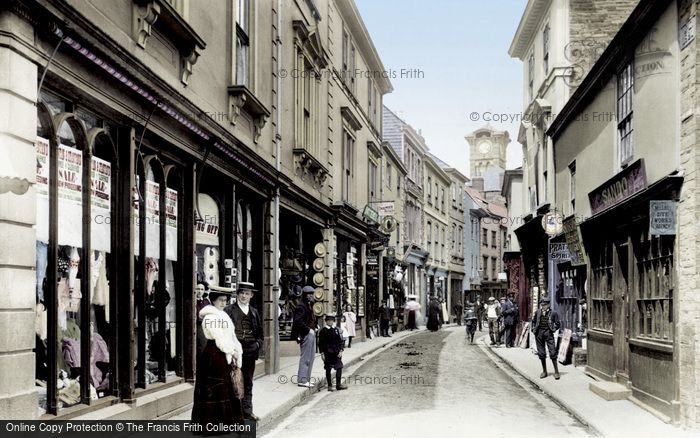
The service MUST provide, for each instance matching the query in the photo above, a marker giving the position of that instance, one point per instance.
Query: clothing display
(151, 273)
(42, 250)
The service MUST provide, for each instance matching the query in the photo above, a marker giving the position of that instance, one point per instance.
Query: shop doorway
(622, 290)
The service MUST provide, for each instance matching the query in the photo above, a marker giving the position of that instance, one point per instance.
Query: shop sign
(370, 214)
(171, 224)
(559, 252)
(207, 230)
(662, 218)
(631, 180)
(372, 260)
(573, 241)
(385, 208)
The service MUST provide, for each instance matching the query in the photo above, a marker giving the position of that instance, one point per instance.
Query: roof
(490, 207)
(527, 28)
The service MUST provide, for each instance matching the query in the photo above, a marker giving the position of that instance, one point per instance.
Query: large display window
(76, 165)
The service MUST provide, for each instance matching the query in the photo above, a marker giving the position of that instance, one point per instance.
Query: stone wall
(18, 94)
(688, 250)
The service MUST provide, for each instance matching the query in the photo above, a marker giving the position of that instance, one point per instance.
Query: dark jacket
(304, 320)
(330, 344)
(554, 323)
(235, 313)
(509, 313)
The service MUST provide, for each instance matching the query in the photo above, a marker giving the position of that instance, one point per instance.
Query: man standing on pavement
(479, 311)
(493, 311)
(249, 332)
(384, 318)
(508, 312)
(458, 313)
(545, 324)
(304, 331)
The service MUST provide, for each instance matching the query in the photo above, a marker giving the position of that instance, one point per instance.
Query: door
(622, 309)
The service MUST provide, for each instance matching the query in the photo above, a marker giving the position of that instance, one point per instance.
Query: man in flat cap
(249, 332)
(303, 330)
(545, 324)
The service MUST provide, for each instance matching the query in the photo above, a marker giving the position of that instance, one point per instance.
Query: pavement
(274, 395)
(618, 418)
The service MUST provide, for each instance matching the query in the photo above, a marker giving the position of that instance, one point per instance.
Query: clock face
(484, 147)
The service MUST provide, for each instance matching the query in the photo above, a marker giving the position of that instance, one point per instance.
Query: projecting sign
(662, 218)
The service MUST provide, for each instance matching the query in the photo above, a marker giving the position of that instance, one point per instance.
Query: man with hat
(493, 312)
(331, 345)
(249, 331)
(545, 324)
(303, 330)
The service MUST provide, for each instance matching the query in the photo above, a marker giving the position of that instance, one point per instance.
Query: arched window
(74, 232)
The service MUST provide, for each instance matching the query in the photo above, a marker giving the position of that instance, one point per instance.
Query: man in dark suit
(545, 324)
(249, 331)
(509, 314)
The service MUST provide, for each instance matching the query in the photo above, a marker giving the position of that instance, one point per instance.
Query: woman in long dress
(350, 320)
(412, 308)
(214, 399)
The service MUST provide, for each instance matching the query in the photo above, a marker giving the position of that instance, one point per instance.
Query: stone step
(610, 390)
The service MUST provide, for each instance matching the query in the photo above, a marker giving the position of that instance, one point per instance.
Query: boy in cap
(545, 324)
(304, 331)
(249, 331)
(493, 313)
(330, 344)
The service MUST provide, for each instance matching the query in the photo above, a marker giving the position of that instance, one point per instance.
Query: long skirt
(412, 320)
(214, 400)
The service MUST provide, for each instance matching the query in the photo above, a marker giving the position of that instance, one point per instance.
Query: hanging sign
(559, 252)
(662, 218)
(573, 241)
(385, 208)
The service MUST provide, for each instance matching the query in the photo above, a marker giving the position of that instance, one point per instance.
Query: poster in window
(42, 189)
(171, 224)
(152, 200)
(101, 179)
(361, 301)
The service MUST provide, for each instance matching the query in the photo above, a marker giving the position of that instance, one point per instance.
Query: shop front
(632, 276)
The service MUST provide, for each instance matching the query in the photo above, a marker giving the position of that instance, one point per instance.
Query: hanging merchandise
(211, 265)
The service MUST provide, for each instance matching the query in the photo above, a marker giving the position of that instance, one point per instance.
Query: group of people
(502, 318)
(229, 339)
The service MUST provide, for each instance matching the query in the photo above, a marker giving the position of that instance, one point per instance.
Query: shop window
(244, 240)
(74, 262)
(601, 312)
(655, 287)
(158, 277)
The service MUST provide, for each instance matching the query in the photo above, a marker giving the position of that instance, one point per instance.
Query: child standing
(344, 331)
(331, 346)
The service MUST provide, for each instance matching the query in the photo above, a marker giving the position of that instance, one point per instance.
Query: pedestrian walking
(545, 324)
(470, 321)
(509, 313)
(330, 344)
(493, 312)
(479, 311)
(412, 309)
(248, 326)
(215, 400)
(350, 320)
(434, 315)
(304, 331)
(458, 313)
(384, 318)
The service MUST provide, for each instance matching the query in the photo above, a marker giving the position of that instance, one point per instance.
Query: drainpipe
(272, 366)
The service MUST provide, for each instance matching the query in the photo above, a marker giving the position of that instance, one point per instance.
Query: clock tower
(487, 148)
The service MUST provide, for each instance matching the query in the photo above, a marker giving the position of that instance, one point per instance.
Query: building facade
(636, 237)
(146, 139)
(410, 146)
(436, 222)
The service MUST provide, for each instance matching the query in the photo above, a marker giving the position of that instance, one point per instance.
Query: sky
(459, 73)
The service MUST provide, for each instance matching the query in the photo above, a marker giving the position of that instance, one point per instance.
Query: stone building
(436, 222)
(410, 146)
(557, 42)
(628, 181)
(151, 145)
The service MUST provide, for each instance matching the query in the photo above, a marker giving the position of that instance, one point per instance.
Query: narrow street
(429, 384)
